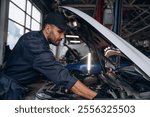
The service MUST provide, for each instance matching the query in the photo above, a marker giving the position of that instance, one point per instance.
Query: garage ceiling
(135, 19)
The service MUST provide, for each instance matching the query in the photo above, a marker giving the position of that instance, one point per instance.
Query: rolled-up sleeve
(46, 64)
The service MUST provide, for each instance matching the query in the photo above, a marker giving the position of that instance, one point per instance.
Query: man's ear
(48, 28)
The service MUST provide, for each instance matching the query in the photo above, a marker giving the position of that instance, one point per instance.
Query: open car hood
(131, 52)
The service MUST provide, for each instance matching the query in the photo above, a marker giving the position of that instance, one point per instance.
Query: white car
(125, 71)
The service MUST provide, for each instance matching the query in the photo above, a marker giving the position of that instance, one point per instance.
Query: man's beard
(56, 43)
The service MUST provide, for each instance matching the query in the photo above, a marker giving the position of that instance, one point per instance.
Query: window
(23, 17)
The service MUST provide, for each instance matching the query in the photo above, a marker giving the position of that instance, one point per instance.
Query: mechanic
(31, 56)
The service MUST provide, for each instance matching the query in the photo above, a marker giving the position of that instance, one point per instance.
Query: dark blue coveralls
(30, 57)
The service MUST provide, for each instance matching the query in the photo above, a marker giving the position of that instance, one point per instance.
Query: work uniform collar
(44, 38)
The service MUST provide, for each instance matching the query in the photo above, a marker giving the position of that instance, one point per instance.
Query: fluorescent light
(89, 63)
(75, 41)
(72, 36)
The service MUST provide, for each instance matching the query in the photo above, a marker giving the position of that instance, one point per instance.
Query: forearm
(82, 90)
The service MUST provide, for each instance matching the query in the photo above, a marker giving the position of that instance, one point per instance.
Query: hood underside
(131, 52)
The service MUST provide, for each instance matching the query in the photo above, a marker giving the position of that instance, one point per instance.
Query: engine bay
(103, 67)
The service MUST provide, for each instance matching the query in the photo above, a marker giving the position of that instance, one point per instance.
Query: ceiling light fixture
(72, 36)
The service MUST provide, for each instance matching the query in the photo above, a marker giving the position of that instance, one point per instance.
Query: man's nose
(62, 36)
